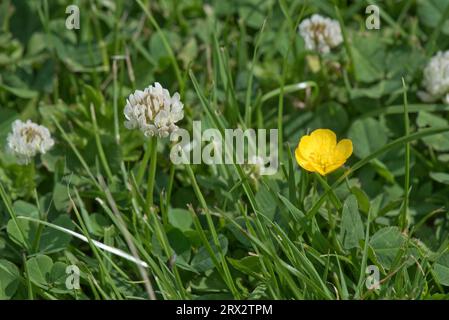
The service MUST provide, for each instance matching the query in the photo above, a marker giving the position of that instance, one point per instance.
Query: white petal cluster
(436, 78)
(28, 139)
(153, 111)
(320, 33)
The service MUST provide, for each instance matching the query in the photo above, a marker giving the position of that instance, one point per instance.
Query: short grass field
(92, 205)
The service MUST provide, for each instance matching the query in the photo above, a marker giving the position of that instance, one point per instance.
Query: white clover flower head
(436, 78)
(27, 139)
(320, 33)
(153, 111)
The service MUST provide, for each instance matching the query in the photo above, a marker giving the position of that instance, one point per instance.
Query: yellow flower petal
(319, 151)
(307, 146)
(325, 140)
(302, 161)
(318, 168)
(333, 167)
(343, 149)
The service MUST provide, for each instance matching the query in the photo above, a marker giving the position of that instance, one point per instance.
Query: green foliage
(9, 279)
(351, 224)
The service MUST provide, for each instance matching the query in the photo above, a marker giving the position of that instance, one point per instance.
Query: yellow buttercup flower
(320, 152)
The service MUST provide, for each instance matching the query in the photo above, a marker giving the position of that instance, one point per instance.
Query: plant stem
(332, 196)
(347, 45)
(101, 153)
(404, 214)
(115, 103)
(144, 163)
(152, 173)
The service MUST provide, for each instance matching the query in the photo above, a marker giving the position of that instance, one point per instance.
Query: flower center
(30, 135)
(317, 28)
(324, 160)
(154, 104)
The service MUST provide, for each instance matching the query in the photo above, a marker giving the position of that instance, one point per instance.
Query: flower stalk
(152, 173)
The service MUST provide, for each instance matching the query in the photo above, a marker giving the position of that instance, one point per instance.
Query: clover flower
(436, 78)
(320, 33)
(153, 111)
(320, 152)
(28, 139)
